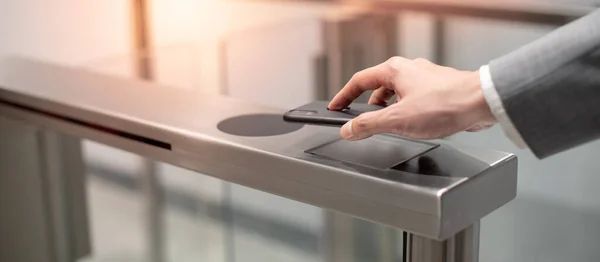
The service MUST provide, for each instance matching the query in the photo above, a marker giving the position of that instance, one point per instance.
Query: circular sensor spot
(257, 125)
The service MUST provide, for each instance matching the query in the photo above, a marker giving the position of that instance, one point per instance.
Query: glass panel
(203, 219)
(115, 204)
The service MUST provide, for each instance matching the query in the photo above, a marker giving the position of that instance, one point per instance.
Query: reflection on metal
(463, 247)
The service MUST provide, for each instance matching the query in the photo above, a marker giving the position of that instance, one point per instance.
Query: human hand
(433, 101)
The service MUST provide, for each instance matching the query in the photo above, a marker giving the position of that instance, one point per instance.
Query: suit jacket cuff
(495, 103)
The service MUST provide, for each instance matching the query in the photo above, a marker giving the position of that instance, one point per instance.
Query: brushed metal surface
(180, 127)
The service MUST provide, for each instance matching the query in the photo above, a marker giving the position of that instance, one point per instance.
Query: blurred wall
(556, 216)
(64, 31)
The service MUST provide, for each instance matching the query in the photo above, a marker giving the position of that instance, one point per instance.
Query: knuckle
(394, 65)
(422, 61)
(356, 75)
(395, 60)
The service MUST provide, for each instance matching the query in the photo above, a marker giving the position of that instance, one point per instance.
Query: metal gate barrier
(436, 191)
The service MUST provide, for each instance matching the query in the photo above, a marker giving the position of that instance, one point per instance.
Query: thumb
(365, 125)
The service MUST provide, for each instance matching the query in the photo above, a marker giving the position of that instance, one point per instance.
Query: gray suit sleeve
(550, 88)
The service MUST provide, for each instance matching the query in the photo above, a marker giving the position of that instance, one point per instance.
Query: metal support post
(463, 247)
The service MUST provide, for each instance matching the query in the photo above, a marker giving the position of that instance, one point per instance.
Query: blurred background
(285, 54)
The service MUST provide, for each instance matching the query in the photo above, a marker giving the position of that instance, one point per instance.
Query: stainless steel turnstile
(436, 191)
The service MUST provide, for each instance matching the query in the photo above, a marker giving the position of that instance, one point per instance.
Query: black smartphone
(317, 113)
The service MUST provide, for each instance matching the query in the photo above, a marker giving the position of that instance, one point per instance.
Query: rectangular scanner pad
(381, 151)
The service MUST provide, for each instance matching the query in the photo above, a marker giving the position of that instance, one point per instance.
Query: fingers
(368, 79)
(381, 96)
(367, 125)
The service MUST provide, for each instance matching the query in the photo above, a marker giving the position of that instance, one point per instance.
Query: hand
(433, 101)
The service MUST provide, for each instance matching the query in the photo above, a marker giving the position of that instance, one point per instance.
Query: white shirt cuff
(495, 103)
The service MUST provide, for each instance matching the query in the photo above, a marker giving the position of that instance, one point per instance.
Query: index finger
(369, 79)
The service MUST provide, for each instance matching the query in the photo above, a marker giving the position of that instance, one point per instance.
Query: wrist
(477, 105)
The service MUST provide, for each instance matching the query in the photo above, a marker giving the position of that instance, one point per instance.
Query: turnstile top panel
(435, 194)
